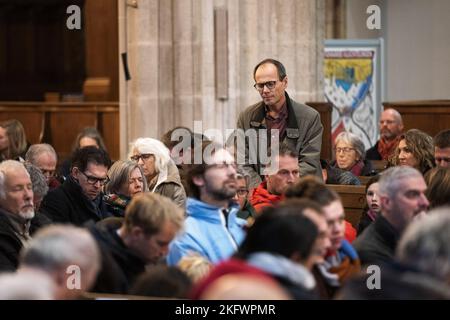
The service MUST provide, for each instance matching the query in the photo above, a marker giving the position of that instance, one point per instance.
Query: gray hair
(392, 177)
(426, 244)
(6, 167)
(36, 150)
(119, 173)
(26, 286)
(38, 180)
(154, 147)
(60, 246)
(353, 140)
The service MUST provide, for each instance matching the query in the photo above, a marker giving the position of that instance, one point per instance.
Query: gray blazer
(303, 134)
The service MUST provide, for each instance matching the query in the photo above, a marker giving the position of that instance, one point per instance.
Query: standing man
(299, 125)
(442, 148)
(402, 199)
(391, 127)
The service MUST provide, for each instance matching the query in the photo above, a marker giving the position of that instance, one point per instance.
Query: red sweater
(261, 198)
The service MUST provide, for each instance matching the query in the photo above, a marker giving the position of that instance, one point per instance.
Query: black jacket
(68, 204)
(377, 243)
(373, 154)
(10, 244)
(120, 266)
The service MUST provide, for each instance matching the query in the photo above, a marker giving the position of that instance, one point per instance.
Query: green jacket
(303, 134)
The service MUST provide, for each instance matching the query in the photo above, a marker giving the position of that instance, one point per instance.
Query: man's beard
(27, 214)
(224, 193)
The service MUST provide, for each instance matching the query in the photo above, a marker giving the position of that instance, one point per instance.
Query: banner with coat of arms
(354, 86)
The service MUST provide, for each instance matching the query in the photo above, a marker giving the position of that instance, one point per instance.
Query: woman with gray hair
(160, 171)
(350, 154)
(126, 179)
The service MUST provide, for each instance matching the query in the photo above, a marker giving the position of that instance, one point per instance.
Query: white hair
(353, 140)
(26, 286)
(6, 167)
(426, 244)
(60, 246)
(36, 150)
(154, 147)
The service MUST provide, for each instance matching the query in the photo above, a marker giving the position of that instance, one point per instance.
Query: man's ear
(385, 202)
(74, 172)
(136, 232)
(199, 181)
(285, 81)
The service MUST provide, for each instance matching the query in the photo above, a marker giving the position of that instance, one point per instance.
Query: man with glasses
(212, 228)
(80, 198)
(43, 156)
(298, 125)
(246, 211)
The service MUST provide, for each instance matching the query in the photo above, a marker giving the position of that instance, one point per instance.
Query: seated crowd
(160, 225)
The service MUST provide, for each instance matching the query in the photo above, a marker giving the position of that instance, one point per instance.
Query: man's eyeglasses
(144, 157)
(269, 84)
(344, 150)
(93, 180)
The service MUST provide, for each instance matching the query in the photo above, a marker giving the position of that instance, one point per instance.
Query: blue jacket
(206, 233)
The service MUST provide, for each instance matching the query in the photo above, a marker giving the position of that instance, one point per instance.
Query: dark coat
(303, 134)
(120, 266)
(68, 204)
(377, 243)
(373, 154)
(10, 244)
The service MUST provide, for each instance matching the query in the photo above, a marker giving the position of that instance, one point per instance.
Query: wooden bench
(353, 199)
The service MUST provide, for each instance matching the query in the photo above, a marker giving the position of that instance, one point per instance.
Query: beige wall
(417, 40)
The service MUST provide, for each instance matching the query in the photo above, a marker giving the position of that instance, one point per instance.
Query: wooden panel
(59, 123)
(325, 109)
(353, 199)
(429, 116)
(102, 43)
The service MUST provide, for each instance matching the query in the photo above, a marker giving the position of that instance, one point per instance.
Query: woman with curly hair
(416, 150)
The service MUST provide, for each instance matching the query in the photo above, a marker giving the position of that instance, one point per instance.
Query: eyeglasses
(269, 84)
(442, 159)
(93, 180)
(144, 157)
(242, 193)
(344, 150)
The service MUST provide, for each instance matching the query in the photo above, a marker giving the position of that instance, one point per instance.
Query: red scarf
(386, 148)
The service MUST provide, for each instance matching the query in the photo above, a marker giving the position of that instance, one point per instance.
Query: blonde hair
(150, 211)
(17, 138)
(195, 266)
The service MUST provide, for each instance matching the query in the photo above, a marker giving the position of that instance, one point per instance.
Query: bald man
(391, 127)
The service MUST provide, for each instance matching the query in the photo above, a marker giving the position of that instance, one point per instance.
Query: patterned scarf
(386, 148)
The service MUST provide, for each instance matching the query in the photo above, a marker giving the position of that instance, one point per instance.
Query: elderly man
(79, 199)
(43, 156)
(391, 127)
(402, 199)
(442, 149)
(213, 229)
(298, 125)
(17, 217)
(150, 224)
(67, 255)
(271, 190)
